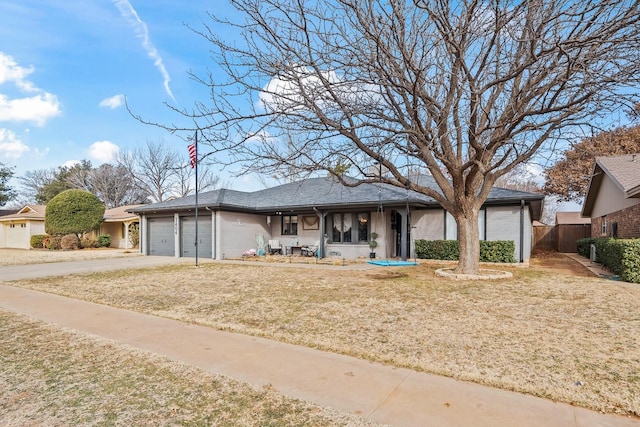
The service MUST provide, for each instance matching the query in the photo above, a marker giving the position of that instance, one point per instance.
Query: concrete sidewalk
(398, 397)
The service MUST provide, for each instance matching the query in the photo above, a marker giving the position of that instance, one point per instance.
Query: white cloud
(307, 87)
(10, 71)
(103, 151)
(112, 102)
(142, 31)
(37, 108)
(11, 147)
(70, 163)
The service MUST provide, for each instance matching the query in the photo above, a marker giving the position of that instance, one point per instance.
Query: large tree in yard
(466, 90)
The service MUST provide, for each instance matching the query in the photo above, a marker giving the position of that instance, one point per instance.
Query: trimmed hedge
(37, 240)
(449, 250)
(621, 256)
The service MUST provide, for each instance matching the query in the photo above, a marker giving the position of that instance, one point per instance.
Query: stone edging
(484, 274)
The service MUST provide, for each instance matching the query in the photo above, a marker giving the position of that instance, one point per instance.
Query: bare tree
(161, 172)
(153, 168)
(468, 89)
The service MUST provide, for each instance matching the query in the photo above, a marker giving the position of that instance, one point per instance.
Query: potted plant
(373, 244)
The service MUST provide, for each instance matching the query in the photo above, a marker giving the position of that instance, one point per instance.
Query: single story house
(339, 219)
(612, 200)
(118, 223)
(16, 229)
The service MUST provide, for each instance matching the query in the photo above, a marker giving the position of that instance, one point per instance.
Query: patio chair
(274, 247)
(310, 250)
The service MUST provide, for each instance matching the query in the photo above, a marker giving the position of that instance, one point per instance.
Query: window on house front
(290, 225)
(604, 225)
(348, 227)
(451, 228)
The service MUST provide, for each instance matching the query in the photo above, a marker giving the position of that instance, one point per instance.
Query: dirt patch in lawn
(560, 264)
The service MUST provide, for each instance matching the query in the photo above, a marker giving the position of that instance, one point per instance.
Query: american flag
(193, 155)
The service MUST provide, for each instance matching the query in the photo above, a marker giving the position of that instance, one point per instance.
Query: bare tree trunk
(469, 240)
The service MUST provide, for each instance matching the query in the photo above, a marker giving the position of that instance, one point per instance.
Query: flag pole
(196, 242)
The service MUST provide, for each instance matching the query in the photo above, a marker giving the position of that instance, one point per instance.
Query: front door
(396, 226)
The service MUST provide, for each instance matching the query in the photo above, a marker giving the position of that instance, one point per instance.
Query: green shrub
(73, 211)
(497, 251)
(620, 256)
(449, 250)
(584, 246)
(104, 241)
(69, 242)
(631, 261)
(37, 240)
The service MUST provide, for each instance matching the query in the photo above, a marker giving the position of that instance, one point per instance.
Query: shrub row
(490, 251)
(621, 256)
(69, 241)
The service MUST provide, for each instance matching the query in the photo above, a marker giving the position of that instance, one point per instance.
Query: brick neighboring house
(613, 197)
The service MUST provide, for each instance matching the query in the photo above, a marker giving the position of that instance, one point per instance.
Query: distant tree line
(151, 173)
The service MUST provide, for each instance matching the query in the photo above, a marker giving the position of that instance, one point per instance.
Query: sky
(67, 67)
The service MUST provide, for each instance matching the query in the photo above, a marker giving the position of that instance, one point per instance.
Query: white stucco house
(340, 218)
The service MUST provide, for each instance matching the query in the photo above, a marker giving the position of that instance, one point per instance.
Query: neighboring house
(117, 223)
(613, 197)
(16, 229)
(339, 217)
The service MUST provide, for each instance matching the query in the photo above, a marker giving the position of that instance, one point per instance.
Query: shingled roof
(623, 170)
(320, 193)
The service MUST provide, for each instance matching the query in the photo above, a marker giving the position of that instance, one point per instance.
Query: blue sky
(66, 67)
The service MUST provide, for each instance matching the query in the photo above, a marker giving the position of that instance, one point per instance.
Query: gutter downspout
(521, 231)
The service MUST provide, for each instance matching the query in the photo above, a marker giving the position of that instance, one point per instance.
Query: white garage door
(161, 241)
(17, 236)
(188, 232)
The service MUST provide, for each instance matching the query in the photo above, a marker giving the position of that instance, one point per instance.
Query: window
(290, 225)
(604, 225)
(348, 227)
(451, 228)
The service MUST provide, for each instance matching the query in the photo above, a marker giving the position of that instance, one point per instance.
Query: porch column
(321, 216)
(403, 233)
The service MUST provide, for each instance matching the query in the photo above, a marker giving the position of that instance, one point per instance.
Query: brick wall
(628, 223)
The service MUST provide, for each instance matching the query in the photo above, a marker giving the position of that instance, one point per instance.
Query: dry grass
(38, 256)
(551, 331)
(58, 377)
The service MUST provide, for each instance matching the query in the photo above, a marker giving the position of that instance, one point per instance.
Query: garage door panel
(188, 232)
(161, 237)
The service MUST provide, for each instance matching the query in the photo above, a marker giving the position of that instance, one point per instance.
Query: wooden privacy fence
(544, 238)
(561, 238)
(568, 234)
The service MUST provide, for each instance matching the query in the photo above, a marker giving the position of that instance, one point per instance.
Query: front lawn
(546, 332)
